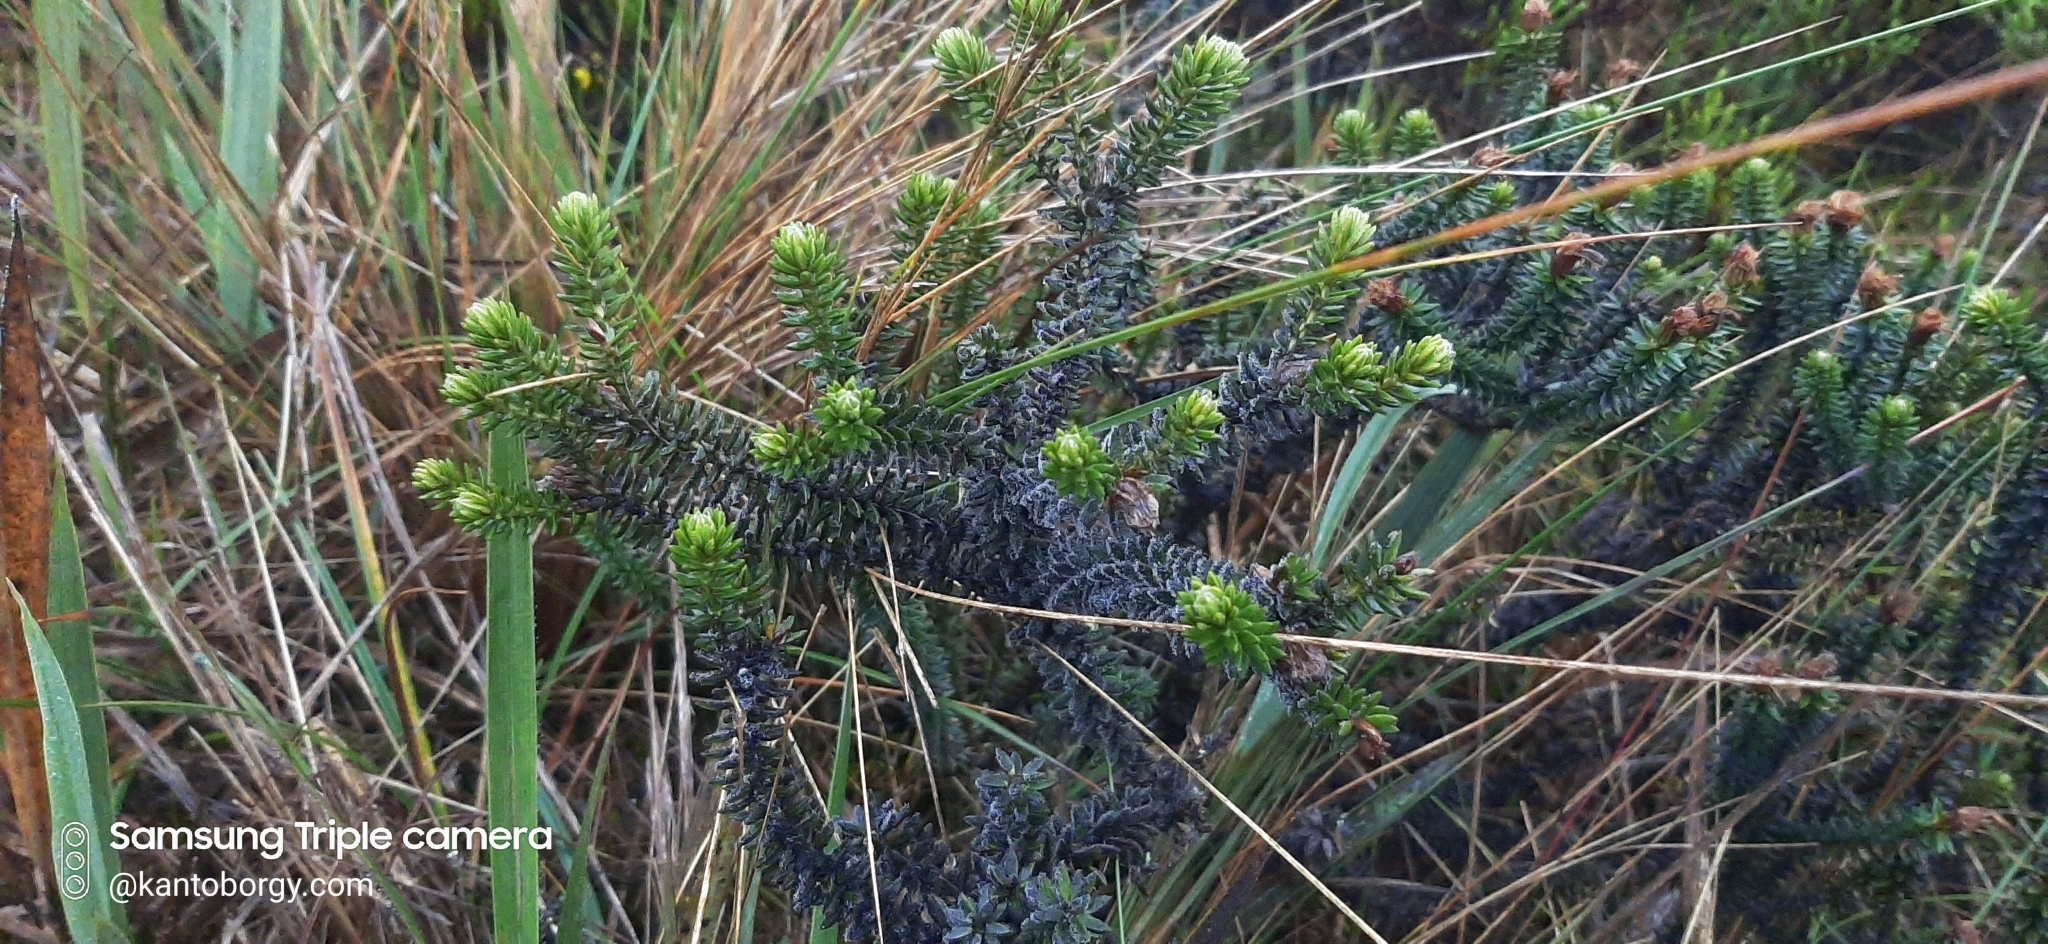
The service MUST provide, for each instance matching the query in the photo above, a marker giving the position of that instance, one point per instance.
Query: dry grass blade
(24, 544)
(1534, 662)
(1941, 98)
(1933, 100)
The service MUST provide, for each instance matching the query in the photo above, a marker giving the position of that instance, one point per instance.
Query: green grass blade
(71, 639)
(835, 796)
(1498, 489)
(78, 846)
(1350, 478)
(576, 887)
(1462, 451)
(511, 729)
(561, 654)
(57, 79)
(252, 68)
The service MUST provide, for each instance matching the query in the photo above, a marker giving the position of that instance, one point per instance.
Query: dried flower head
(1897, 608)
(1807, 213)
(1687, 322)
(1133, 502)
(1818, 667)
(1843, 210)
(1303, 664)
(1385, 294)
(1875, 285)
(1559, 86)
(1928, 323)
(1740, 270)
(1970, 819)
(1718, 307)
(1575, 248)
(1621, 72)
(1372, 745)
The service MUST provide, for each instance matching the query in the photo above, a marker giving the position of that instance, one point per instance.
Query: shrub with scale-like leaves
(1027, 467)
(1015, 502)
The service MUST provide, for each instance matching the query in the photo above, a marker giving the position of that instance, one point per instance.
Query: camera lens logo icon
(71, 864)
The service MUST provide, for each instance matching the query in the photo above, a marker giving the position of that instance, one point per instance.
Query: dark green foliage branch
(1016, 504)
(1576, 323)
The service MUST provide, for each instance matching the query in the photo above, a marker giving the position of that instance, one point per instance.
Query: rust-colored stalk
(24, 546)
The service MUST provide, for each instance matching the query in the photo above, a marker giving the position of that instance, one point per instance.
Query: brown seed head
(1740, 269)
(1133, 502)
(1717, 306)
(1970, 819)
(1807, 213)
(1304, 663)
(1897, 607)
(1687, 322)
(1621, 72)
(1565, 260)
(1818, 667)
(1928, 323)
(1844, 210)
(1560, 87)
(1875, 286)
(1535, 15)
(1385, 294)
(1372, 745)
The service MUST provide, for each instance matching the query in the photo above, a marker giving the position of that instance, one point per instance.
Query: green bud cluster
(1078, 465)
(1381, 578)
(587, 254)
(968, 70)
(846, 415)
(813, 282)
(1414, 133)
(788, 452)
(477, 506)
(1353, 133)
(1354, 375)
(1191, 422)
(1198, 89)
(1229, 626)
(710, 572)
(2007, 322)
(1035, 20)
(1339, 709)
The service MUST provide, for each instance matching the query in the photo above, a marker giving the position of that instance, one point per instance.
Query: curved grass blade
(78, 843)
